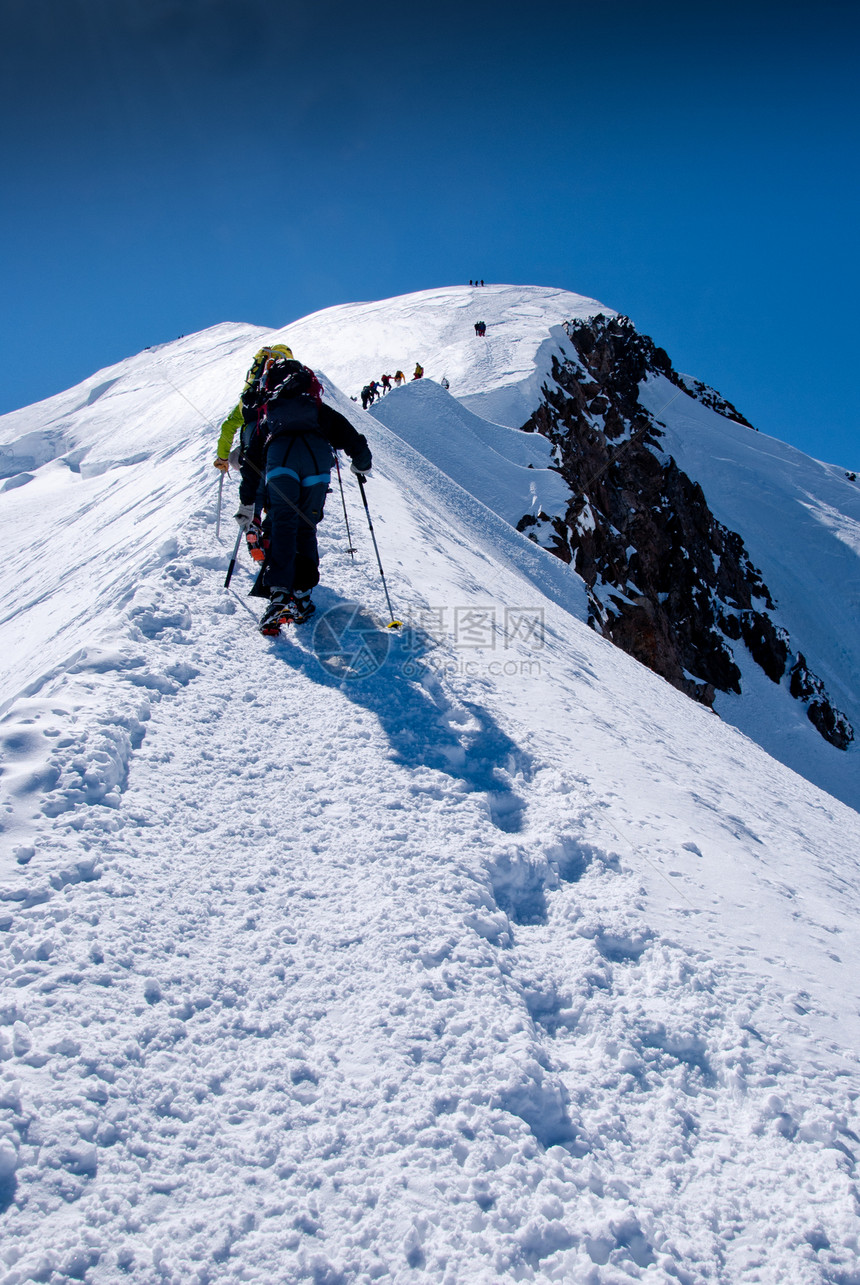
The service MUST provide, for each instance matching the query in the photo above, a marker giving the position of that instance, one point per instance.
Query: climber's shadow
(387, 672)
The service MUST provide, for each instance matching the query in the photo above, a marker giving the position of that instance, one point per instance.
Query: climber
(286, 457)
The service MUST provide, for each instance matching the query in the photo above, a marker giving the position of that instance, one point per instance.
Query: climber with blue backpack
(288, 433)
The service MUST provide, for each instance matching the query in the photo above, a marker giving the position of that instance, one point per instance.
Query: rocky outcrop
(667, 582)
(806, 686)
(709, 397)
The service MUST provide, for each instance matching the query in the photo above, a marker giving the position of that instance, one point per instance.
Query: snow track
(361, 981)
(503, 962)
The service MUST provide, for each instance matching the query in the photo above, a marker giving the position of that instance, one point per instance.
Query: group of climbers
(287, 435)
(373, 391)
(481, 328)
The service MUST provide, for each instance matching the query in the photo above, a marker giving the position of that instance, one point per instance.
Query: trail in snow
(369, 980)
(81, 453)
(504, 962)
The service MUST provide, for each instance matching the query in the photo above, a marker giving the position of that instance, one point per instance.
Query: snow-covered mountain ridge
(796, 518)
(695, 502)
(504, 962)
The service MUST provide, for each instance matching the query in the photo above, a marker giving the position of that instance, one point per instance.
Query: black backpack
(278, 378)
(288, 379)
(284, 398)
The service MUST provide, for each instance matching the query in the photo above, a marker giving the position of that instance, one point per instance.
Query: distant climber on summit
(287, 436)
(419, 371)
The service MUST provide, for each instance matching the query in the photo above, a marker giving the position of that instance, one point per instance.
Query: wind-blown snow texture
(504, 962)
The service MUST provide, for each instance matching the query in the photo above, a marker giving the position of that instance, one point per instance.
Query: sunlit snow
(469, 952)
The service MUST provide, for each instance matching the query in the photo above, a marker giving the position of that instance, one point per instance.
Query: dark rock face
(806, 686)
(667, 582)
(708, 397)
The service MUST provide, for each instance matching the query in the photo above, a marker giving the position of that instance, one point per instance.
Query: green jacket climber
(234, 421)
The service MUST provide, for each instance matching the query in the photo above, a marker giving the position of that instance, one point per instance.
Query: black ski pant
(298, 472)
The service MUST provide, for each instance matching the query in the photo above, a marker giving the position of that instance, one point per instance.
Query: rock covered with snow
(668, 582)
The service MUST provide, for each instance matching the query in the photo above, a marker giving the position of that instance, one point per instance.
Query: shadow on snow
(347, 648)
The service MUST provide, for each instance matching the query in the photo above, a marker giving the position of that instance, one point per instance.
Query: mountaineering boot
(301, 608)
(276, 613)
(254, 539)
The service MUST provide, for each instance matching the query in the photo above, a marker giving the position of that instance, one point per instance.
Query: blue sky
(169, 164)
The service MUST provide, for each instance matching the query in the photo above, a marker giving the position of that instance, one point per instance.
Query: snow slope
(508, 470)
(798, 517)
(800, 520)
(97, 479)
(501, 962)
(498, 377)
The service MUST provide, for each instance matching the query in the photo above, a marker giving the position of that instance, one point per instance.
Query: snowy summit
(515, 944)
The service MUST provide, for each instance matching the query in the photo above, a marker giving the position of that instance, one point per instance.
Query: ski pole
(350, 550)
(395, 624)
(234, 557)
(218, 515)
